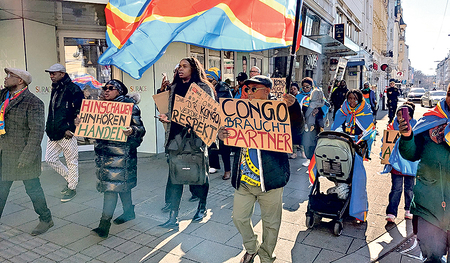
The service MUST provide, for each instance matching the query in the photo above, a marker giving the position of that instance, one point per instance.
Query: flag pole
(294, 45)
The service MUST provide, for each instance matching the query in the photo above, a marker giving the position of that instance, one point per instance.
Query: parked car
(415, 94)
(431, 98)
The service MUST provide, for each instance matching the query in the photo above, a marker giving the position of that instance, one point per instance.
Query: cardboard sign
(279, 87)
(101, 119)
(162, 101)
(389, 139)
(259, 124)
(199, 111)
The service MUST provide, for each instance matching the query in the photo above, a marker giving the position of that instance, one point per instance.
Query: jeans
(396, 192)
(110, 202)
(36, 194)
(309, 142)
(433, 241)
(201, 191)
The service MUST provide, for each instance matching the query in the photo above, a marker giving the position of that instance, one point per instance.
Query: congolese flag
(139, 32)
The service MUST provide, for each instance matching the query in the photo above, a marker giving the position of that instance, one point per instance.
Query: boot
(103, 228)
(128, 214)
(201, 212)
(173, 220)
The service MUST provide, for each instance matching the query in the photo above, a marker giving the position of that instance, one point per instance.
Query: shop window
(198, 53)
(214, 59)
(228, 67)
(83, 14)
(80, 57)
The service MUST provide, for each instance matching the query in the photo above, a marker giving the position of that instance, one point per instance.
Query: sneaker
(212, 170)
(306, 163)
(42, 227)
(69, 195)
(390, 218)
(64, 190)
(408, 215)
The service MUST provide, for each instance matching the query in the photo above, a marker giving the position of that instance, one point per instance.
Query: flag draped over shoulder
(437, 116)
(139, 32)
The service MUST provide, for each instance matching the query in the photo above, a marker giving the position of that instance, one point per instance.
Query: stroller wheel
(309, 221)
(338, 226)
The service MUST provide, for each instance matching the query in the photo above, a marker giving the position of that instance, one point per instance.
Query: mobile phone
(164, 75)
(405, 116)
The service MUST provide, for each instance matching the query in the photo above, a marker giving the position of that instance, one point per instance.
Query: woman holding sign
(117, 162)
(190, 71)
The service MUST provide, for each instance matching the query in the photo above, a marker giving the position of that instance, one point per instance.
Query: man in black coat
(65, 103)
(392, 98)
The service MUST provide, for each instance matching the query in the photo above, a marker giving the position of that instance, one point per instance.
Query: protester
(22, 128)
(428, 143)
(222, 91)
(392, 99)
(259, 175)
(238, 90)
(356, 119)
(190, 71)
(398, 179)
(338, 97)
(65, 103)
(298, 126)
(309, 137)
(254, 71)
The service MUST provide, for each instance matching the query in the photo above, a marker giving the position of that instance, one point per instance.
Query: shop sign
(339, 32)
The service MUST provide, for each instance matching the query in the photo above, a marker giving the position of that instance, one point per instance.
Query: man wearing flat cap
(21, 131)
(260, 175)
(65, 103)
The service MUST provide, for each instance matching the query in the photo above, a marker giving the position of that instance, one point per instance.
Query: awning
(332, 47)
(356, 63)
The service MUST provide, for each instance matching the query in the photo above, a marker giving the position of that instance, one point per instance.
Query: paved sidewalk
(215, 239)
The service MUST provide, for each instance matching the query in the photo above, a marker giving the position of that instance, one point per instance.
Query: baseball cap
(23, 74)
(56, 68)
(241, 76)
(260, 79)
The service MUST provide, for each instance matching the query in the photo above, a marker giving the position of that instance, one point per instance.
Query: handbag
(187, 160)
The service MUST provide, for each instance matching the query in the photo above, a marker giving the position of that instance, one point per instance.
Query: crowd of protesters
(352, 111)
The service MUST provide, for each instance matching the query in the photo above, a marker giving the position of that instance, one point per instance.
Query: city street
(215, 239)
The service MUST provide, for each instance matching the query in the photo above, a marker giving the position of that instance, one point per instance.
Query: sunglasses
(254, 89)
(110, 88)
(307, 87)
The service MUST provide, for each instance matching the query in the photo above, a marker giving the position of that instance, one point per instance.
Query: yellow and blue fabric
(347, 115)
(359, 204)
(4, 106)
(439, 115)
(398, 163)
(213, 73)
(250, 167)
(139, 32)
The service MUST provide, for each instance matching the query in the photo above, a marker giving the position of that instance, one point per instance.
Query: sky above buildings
(427, 32)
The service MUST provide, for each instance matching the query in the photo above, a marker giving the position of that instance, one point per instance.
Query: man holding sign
(260, 175)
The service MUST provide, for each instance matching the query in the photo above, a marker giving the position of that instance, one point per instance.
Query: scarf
(349, 116)
(3, 107)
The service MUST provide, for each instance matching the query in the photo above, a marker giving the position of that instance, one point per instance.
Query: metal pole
(294, 45)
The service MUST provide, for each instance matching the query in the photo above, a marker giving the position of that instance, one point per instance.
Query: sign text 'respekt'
(104, 119)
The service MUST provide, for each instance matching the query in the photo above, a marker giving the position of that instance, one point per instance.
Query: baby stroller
(335, 155)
